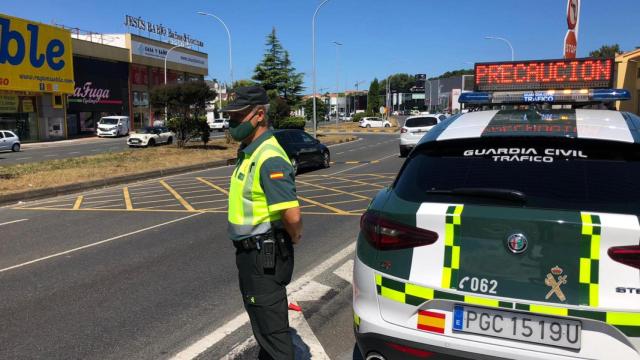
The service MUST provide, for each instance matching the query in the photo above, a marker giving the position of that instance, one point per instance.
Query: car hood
(141, 136)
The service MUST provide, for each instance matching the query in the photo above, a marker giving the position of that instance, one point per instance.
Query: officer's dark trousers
(265, 299)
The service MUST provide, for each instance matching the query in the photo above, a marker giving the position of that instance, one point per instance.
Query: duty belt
(251, 243)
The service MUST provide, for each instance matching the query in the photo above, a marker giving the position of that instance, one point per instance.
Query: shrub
(357, 117)
(291, 122)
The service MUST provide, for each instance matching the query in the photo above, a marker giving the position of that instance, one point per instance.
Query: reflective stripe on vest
(248, 209)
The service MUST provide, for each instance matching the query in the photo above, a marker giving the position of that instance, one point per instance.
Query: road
(34, 152)
(146, 271)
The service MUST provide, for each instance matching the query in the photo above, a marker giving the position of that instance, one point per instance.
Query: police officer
(264, 221)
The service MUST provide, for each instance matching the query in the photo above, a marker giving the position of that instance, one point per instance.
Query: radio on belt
(561, 81)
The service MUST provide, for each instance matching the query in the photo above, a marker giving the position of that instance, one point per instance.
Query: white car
(414, 128)
(113, 126)
(369, 122)
(151, 136)
(219, 124)
(9, 141)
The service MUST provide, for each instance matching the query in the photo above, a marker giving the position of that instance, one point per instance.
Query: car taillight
(409, 350)
(403, 130)
(628, 255)
(385, 234)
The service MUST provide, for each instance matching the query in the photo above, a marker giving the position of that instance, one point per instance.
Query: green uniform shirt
(277, 179)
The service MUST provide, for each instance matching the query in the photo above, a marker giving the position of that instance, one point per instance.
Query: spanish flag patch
(275, 175)
(431, 321)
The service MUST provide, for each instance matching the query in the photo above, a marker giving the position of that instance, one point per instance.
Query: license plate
(135, 141)
(517, 326)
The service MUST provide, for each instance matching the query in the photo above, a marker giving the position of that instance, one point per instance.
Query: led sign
(586, 73)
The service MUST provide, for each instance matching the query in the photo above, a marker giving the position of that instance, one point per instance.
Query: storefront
(628, 77)
(102, 89)
(34, 80)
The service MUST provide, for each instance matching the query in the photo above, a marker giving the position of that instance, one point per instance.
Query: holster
(268, 253)
(283, 240)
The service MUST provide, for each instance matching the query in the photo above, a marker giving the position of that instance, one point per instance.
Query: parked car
(413, 130)
(369, 122)
(9, 141)
(219, 124)
(303, 150)
(151, 136)
(113, 126)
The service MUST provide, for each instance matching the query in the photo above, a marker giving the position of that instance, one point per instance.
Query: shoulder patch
(275, 175)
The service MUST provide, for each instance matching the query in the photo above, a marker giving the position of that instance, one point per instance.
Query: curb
(357, 131)
(72, 188)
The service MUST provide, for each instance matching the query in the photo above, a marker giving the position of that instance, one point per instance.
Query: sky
(379, 37)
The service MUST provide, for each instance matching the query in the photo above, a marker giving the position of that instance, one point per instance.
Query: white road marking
(96, 243)
(13, 222)
(345, 271)
(359, 166)
(342, 152)
(74, 152)
(24, 158)
(241, 319)
(311, 292)
(51, 155)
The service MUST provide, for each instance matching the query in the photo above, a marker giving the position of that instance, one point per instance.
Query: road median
(32, 181)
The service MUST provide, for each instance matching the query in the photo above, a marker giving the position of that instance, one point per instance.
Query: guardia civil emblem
(555, 283)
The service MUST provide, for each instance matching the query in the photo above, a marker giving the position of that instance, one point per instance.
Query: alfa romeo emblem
(517, 243)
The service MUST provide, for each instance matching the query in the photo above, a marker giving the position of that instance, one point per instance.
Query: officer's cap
(245, 97)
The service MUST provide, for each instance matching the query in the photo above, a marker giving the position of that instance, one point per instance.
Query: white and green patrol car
(509, 234)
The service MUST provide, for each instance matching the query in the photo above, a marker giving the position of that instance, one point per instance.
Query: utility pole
(313, 51)
(337, 44)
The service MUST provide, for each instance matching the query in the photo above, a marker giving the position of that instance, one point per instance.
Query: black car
(304, 151)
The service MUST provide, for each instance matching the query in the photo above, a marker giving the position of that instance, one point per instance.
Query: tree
(606, 51)
(186, 103)
(321, 109)
(449, 74)
(276, 71)
(401, 83)
(373, 98)
(242, 83)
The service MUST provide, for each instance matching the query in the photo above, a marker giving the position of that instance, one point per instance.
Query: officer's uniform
(262, 185)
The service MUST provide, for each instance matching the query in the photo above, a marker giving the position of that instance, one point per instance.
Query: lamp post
(337, 44)
(166, 115)
(313, 51)
(229, 41)
(502, 39)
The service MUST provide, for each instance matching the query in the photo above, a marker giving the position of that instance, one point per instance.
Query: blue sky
(379, 36)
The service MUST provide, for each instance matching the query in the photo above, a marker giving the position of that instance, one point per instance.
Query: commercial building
(628, 77)
(36, 75)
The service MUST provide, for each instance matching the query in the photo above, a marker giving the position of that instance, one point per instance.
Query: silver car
(9, 141)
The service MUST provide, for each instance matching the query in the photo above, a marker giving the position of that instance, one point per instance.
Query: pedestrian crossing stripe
(416, 295)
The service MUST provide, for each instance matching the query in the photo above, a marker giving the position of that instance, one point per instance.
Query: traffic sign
(572, 14)
(570, 45)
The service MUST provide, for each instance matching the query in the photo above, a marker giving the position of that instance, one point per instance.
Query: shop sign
(34, 57)
(27, 106)
(100, 85)
(159, 29)
(175, 56)
(8, 104)
(88, 94)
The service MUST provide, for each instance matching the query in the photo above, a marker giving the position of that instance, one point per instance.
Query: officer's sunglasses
(238, 116)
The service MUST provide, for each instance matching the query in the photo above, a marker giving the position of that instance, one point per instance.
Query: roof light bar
(566, 96)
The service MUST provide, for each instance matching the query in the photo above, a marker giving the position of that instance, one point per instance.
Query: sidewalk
(55, 143)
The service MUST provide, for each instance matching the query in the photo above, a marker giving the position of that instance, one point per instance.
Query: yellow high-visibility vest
(249, 213)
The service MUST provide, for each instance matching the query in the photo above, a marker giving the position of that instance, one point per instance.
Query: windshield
(148, 130)
(108, 121)
(586, 175)
(421, 121)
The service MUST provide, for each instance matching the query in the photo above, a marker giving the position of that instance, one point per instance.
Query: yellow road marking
(177, 196)
(78, 202)
(352, 162)
(357, 211)
(127, 198)
(328, 207)
(344, 201)
(204, 181)
(336, 190)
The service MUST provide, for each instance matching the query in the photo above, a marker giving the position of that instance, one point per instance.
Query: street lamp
(166, 115)
(228, 37)
(502, 39)
(337, 44)
(313, 51)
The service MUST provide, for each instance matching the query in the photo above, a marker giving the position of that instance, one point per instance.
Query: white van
(113, 126)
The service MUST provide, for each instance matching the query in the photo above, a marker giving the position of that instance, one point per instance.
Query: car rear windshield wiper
(503, 194)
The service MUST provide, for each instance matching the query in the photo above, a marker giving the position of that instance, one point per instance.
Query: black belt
(251, 243)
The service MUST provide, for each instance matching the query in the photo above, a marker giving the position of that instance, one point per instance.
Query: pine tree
(276, 71)
(373, 98)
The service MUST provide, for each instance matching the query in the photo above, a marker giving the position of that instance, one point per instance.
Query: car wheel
(294, 164)
(326, 159)
(404, 152)
(15, 147)
(387, 125)
(169, 141)
(368, 126)
(151, 143)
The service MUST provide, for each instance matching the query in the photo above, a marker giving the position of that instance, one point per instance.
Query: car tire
(169, 141)
(404, 152)
(368, 126)
(151, 143)
(295, 165)
(326, 160)
(15, 147)
(387, 125)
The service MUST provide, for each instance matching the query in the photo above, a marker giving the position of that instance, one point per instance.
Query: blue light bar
(610, 94)
(475, 98)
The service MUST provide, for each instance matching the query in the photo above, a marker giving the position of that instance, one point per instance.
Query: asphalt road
(34, 152)
(146, 271)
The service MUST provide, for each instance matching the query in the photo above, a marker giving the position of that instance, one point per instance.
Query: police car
(511, 232)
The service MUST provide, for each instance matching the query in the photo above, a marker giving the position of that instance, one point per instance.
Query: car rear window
(552, 173)
(421, 121)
